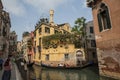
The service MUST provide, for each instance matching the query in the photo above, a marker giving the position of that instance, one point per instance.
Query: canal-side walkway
(15, 74)
(21, 69)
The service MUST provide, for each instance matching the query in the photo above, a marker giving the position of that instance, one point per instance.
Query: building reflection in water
(90, 73)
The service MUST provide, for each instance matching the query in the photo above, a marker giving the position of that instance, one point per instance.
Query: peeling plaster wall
(109, 58)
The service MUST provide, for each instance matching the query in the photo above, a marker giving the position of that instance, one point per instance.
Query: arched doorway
(79, 57)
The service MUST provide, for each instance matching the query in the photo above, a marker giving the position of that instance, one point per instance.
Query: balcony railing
(90, 3)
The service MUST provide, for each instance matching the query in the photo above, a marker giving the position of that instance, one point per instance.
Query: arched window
(103, 18)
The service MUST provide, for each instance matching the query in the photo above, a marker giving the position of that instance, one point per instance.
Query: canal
(89, 73)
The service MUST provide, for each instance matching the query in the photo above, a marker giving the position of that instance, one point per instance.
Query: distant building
(12, 43)
(5, 26)
(19, 47)
(24, 49)
(30, 47)
(90, 43)
(56, 51)
(106, 16)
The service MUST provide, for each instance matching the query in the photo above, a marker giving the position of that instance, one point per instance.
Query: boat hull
(63, 67)
(30, 64)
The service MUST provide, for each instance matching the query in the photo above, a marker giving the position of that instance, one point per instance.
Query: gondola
(30, 64)
(64, 67)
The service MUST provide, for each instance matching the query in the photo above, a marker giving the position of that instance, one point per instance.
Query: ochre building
(56, 53)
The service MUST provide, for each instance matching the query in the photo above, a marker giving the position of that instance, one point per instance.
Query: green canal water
(89, 73)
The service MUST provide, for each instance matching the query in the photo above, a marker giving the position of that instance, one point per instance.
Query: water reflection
(90, 73)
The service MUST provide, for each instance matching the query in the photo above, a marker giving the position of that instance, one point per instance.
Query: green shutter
(108, 19)
(99, 22)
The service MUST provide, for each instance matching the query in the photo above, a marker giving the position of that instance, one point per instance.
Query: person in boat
(60, 65)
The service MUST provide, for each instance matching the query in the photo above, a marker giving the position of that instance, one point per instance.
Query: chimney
(51, 16)
(1, 6)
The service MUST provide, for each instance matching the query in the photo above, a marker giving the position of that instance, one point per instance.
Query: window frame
(66, 56)
(47, 57)
(91, 29)
(56, 31)
(93, 43)
(47, 30)
(104, 21)
(40, 30)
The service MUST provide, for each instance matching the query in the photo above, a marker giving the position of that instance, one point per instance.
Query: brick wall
(108, 41)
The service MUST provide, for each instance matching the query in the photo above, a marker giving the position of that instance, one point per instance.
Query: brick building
(106, 15)
(51, 46)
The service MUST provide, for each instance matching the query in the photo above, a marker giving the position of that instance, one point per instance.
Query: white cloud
(45, 5)
(17, 7)
(14, 7)
(84, 4)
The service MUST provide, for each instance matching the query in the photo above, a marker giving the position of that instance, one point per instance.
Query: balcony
(90, 3)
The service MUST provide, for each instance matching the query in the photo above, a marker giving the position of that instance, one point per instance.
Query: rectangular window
(91, 29)
(93, 43)
(35, 43)
(47, 57)
(55, 31)
(66, 57)
(47, 30)
(34, 50)
(4, 31)
(40, 30)
(94, 55)
(39, 41)
(39, 49)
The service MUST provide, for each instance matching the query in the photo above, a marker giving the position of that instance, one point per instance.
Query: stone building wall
(5, 26)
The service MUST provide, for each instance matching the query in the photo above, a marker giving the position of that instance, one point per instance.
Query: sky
(24, 14)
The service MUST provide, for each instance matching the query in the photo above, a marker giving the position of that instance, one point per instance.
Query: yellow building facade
(65, 54)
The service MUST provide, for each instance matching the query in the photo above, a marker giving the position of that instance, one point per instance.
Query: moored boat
(30, 64)
(64, 67)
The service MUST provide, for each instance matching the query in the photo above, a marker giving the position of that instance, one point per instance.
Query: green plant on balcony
(60, 39)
